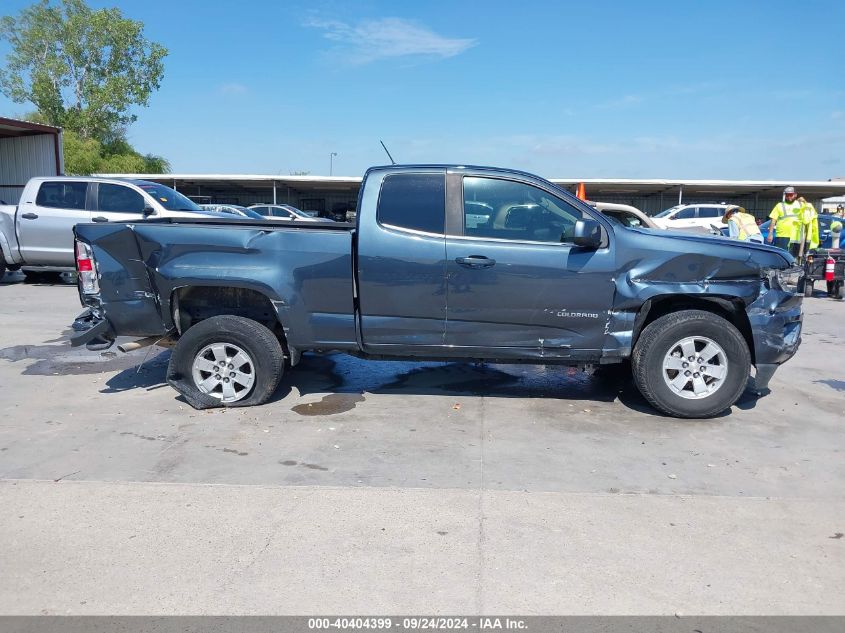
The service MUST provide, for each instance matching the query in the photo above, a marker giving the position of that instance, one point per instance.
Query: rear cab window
(62, 195)
(415, 202)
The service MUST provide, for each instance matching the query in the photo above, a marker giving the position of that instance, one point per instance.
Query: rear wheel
(2, 267)
(691, 364)
(227, 361)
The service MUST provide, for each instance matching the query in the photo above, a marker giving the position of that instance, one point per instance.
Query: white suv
(685, 216)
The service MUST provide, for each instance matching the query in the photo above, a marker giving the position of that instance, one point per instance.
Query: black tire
(808, 287)
(2, 267)
(259, 343)
(662, 335)
(839, 291)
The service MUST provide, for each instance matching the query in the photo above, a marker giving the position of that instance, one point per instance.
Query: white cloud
(371, 40)
(233, 88)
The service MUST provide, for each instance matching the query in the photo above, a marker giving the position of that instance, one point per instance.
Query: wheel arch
(192, 304)
(729, 308)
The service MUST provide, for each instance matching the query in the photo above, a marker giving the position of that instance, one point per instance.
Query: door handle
(29, 216)
(475, 261)
(99, 218)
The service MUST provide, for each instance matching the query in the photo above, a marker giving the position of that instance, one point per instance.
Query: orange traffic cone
(581, 192)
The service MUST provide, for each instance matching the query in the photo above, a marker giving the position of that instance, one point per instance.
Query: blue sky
(564, 89)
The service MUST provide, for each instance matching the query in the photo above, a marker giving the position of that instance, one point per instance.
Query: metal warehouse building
(27, 150)
(335, 194)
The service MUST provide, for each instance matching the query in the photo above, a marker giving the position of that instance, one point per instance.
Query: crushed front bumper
(776, 319)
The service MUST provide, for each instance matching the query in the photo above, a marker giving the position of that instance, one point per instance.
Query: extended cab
(38, 233)
(445, 263)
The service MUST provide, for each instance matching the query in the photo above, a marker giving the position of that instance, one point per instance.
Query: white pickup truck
(37, 234)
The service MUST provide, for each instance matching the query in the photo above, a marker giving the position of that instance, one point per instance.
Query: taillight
(86, 269)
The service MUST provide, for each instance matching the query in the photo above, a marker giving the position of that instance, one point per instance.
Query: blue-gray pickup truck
(445, 263)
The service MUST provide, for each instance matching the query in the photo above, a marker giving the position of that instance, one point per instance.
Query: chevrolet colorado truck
(37, 233)
(444, 263)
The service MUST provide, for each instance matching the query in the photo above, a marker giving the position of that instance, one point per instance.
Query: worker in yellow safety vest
(742, 225)
(795, 224)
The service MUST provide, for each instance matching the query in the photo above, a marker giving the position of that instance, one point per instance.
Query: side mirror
(148, 211)
(587, 234)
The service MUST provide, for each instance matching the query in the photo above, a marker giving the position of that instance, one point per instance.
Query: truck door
(517, 285)
(117, 203)
(46, 219)
(402, 261)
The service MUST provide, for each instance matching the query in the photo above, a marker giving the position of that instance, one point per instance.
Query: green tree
(83, 69)
(85, 156)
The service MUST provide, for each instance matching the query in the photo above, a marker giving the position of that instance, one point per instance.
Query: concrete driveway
(375, 487)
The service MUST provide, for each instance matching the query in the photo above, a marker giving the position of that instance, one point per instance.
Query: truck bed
(314, 261)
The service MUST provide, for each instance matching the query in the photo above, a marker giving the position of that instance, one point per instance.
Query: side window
(503, 209)
(119, 199)
(281, 213)
(710, 212)
(261, 210)
(414, 201)
(685, 214)
(62, 195)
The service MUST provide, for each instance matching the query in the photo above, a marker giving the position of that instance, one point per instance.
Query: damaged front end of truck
(755, 288)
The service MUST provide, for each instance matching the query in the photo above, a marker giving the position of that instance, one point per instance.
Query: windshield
(168, 198)
(663, 214)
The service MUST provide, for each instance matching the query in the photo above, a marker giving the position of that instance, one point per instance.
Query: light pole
(331, 162)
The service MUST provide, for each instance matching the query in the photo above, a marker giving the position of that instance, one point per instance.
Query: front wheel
(226, 361)
(691, 364)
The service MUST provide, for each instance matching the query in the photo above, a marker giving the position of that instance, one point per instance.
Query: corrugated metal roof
(16, 127)
(594, 185)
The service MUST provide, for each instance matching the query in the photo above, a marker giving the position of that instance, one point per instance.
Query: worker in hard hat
(742, 225)
(795, 225)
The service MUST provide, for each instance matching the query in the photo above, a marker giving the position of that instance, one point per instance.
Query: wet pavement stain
(143, 437)
(839, 385)
(64, 360)
(343, 374)
(234, 451)
(331, 404)
(291, 462)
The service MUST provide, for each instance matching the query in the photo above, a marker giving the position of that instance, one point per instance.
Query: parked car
(285, 212)
(233, 209)
(685, 216)
(37, 233)
(625, 214)
(525, 271)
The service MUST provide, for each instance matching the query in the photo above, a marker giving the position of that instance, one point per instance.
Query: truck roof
(134, 181)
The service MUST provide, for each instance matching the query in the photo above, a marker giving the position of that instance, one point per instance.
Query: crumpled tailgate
(127, 297)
